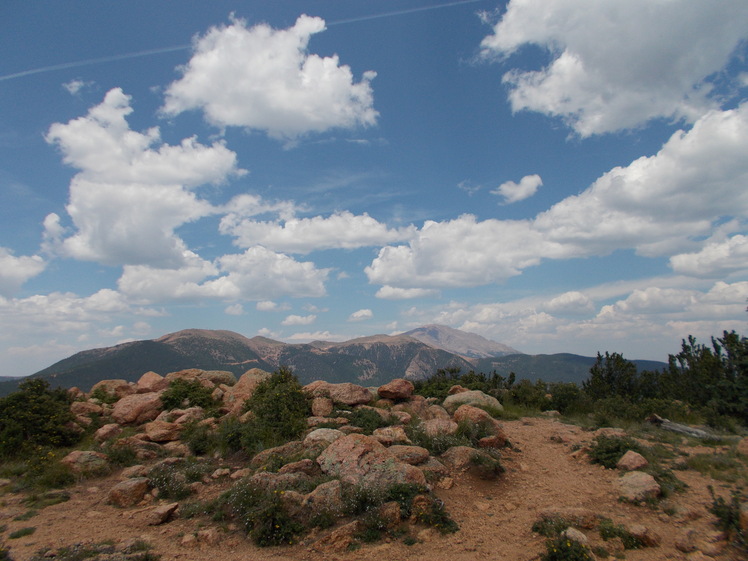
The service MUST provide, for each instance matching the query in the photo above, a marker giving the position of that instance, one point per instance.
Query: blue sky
(558, 176)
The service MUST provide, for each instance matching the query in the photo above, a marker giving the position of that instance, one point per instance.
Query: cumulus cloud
(132, 191)
(341, 230)
(15, 271)
(619, 63)
(234, 310)
(263, 78)
(572, 303)
(513, 192)
(714, 259)
(361, 315)
(299, 320)
(393, 293)
(658, 205)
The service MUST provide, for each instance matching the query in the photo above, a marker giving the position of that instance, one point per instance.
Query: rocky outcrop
(137, 408)
(398, 389)
(345, 393)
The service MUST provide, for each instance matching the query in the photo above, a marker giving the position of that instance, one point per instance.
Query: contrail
(90, 61)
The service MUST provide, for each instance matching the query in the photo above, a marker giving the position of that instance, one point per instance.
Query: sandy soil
(495, 517)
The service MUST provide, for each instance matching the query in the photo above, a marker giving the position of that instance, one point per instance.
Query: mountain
(459, 342)
(369, 361)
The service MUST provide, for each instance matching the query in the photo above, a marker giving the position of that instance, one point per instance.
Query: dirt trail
(495, 518)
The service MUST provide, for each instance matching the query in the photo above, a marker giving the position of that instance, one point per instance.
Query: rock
(631, 461)
(471, 397)
(107, 432)
(279, 481)
(137, 408)
(457, 389)
(391, 435)
(322, 436)
(85, 461)
(129, 492)
(360, 459)
(742, 447)
(314, 421)
(85, 408)
(327, 497)
(162, 431)
(218, 377)
(209, 536)
(116, 388)
(240, 473)
(412, 455)
(305, 466)
(134, 471)
(638, 486)
(151, 382)
(552, 414)
(437, 412)
(433, 468)
(235, 396)
(339, 539)
(161, 514)
(575, 535)
(345, 393)
(686, 540)
(743, 521)
(648, 537)
(284, 450)
(184, 416)
(435, 427)
(398, 389)
(478, 416)
(494, 441)
(389, 513)
(459, 457)
(322, 406)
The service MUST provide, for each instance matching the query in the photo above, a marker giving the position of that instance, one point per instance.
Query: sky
(555, 175)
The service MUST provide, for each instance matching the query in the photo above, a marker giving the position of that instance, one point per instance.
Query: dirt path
(495, 517)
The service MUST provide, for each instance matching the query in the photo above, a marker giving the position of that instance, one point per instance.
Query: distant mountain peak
(459, 342)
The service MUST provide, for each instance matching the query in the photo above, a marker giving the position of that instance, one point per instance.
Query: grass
(726, 467)
(21, 533)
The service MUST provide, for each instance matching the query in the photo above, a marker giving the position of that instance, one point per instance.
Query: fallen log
(669, 425)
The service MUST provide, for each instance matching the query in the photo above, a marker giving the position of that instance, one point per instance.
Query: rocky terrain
(515, 480)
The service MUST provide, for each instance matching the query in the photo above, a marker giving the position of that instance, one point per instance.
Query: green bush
(200, 439)
(728, 517)
(35, 416)
(564, 549)
(607, 450)
(170, 481)
(609, 530)
(183, 393)
(368, 420)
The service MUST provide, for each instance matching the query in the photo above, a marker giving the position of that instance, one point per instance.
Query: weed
(485, 466)
(564, 549)
(373, 525)
(607, 450)
(21, 533)
(27, 515)
(724, 467)
(104, 396)
(610, 530)
(170, 481)
(367, 419)
(121, 455)
(728, 517)
(551, 526)
(49, 498)
(600, 552)
(200, 439)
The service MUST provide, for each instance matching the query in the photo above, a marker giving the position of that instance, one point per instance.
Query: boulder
(631, 461)
(575, 535)
(471, 397)
(742, 447)
(345, 393)
(137, 408)
(648, 537)
(305, 466)
(235, 396)
(435, 427)
(327, 497)
(638, 486)
(437, 412)
(362, 460)
(279, 481)
(85, 461)
(412, 455)
(478, 416)
(391, 435)
(219, 377)
(107, 432)
(129, 492)
(151, 382)
(322, 406)
(322, 436)
(457, 389)
(161, 514)
(398, 389)
(162, 431)
(117, 388)
(85, 408)
(459, 457)
(433, 468)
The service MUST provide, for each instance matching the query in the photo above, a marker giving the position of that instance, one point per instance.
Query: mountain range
(370, 361)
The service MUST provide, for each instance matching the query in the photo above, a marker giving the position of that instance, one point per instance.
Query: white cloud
(74, 87)
(132, 191)
(263, 78)
(299, 320)
(714, 259)
(573, 303)
(342, 230)
(658, 205)
(393, 293)
(307, 337)
(234, 310)
(619, 63)
(15, 271)
(270, 306)
(361, 315)
(514, 192)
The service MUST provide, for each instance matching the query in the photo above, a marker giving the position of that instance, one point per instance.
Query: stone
(107, 432)
(391, 435)
(494, 441)
(389, 513)
(433, 468)
(686, 540)
(85, 408)
(134, 471)
(637, 486)
(117, 388)
(322, 436)
(648, 537)
(129, 492)
(435, 427)
(575, 535)
(314, 421)
(162, 431)
(284, 450)
(137, 408)
(459, 457)
(218, 377)
(235, 396)
(412, 455)
(85, 461)
(151, 382)
(327, 497)
(345, 393)
(340, 539)
(457, 389)
(398, 389)
(161, 514)
(305, 466)
(743, 520)
(322, 406)
(359, 459)
(471, 397)
(279, 481)
(631, 461)
(209, 536)
(437, 412)
(478, 416)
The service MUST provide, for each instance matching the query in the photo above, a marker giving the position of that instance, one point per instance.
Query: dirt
(495, 517)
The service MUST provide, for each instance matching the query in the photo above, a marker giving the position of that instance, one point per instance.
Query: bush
(33, 417)
(170, 481)
(728, 517)
(564, 549)
(200, 439)
(607, 450)
(609, 530)
(368, 420)
(183, 393)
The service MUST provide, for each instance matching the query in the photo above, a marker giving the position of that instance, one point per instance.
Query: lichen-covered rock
(161, 514)
(129, 492)
(116, 388)
(327, 497)
(107, 432)
(85, 408)
(471, 397)
(479, 416)
(322, 436)
(322, 406)
(345, 393)
(435, 427)
(638, 486)
(412, 455)
(137, 408)
(362, 460)
(631, 461)
(459, 457)
(85, 461)
(162, 431)
(398, 389)
(391, 435)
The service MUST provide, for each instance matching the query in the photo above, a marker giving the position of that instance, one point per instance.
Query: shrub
(170, 481)
(551, 526)
(607, 450)
(187, 393)
(35, 416)
(564, 549)
(200, 439)
(367, 419)
(609, 530)
(728, 517)
(485, 466)
(21, 533)
(436, 444)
